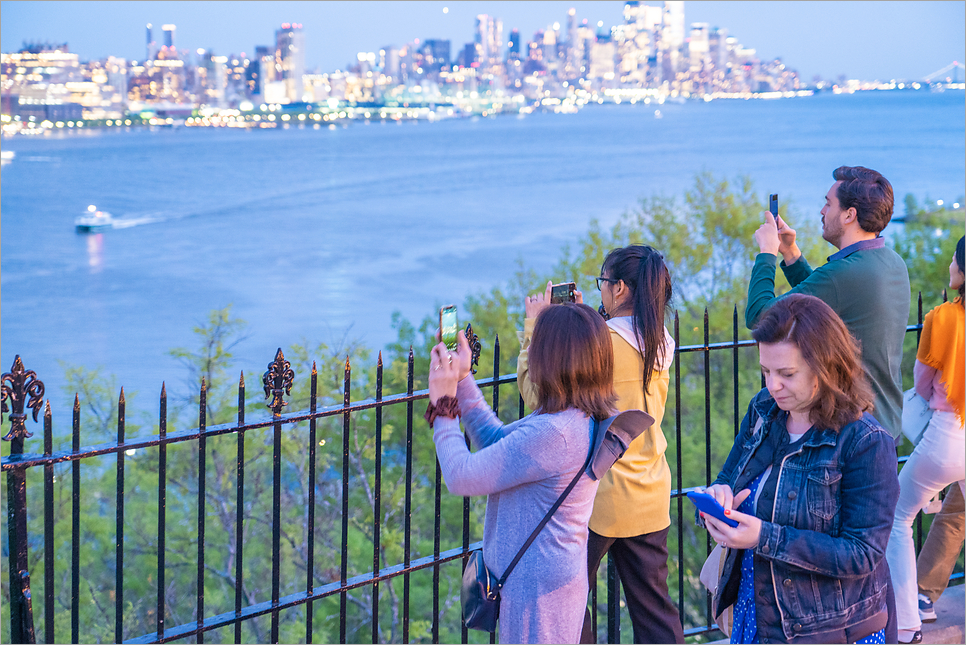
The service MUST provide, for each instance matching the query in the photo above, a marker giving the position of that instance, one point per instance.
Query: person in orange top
(940, 456)
(631, 516)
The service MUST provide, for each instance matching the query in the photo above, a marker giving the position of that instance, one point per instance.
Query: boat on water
(93, 220)
(6, 156)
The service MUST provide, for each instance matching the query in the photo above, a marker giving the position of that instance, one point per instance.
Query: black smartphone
(448, 325)
(563, 292)
(773, 204)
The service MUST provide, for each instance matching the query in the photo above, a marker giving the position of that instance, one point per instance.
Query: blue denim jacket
(834, 505)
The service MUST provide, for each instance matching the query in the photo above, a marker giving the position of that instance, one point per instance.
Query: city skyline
(901, 40)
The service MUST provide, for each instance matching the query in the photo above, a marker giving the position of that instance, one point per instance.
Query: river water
(315, 234)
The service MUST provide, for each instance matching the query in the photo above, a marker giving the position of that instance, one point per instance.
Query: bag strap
(553, 509)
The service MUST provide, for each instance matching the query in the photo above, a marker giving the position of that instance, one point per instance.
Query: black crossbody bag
(480, 591)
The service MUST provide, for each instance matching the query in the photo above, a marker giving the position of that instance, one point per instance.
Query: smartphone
(710, 506)
(448, 325)
(563, 292)
(773, 204)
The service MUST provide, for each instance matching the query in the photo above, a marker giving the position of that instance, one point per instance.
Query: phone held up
(448, 326)
(563, 292)
(773, 205)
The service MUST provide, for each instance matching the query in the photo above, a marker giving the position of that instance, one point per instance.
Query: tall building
(150, 45)
(489, 40)
(290, 59)
(699, 47)
(513, 46)
(436, 53)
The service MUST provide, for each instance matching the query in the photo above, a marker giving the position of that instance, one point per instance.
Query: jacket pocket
(822, 493)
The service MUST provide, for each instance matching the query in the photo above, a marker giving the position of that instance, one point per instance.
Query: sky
(863, 40)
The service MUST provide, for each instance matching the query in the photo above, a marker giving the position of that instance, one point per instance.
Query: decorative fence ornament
(276, 380)
(18, 385)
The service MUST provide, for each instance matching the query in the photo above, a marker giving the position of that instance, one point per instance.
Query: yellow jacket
(634, 497)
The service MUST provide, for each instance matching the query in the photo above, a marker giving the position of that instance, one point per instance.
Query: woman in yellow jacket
(631, 516)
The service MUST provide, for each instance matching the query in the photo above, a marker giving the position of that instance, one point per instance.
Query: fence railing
(23, 390)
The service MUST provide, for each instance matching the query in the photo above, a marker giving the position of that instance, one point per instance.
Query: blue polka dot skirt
(744, 627)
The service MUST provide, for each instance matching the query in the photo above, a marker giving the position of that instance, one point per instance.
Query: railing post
(276, 380)
(20, 386)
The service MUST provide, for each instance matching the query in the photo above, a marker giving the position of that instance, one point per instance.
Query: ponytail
(643, 271)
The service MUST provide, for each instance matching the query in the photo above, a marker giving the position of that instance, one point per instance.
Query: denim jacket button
(787, 582)
(765, 549)
(792, 494)
(797, 627)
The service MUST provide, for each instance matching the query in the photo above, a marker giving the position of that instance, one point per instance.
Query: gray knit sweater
(522, 468)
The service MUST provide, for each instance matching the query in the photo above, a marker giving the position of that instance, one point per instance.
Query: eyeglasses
(605, 280)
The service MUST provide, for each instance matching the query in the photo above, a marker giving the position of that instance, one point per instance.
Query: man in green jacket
(865, 283)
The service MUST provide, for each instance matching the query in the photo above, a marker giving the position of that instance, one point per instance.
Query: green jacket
(867, 285)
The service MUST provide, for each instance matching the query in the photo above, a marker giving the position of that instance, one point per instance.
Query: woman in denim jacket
(816, 476)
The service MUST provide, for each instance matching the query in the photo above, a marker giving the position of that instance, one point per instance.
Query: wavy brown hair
(828, 349)
(572, 361)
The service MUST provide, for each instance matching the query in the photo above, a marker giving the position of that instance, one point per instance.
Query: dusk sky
(864, 40)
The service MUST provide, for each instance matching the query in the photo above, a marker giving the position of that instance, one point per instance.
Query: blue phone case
(710, 506)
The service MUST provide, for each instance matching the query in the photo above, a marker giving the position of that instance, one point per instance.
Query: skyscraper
(489, 38)
(168, 35)
(150, 44)
(290, 59)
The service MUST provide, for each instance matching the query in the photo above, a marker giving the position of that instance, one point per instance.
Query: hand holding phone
(710, 506)
(563, 292)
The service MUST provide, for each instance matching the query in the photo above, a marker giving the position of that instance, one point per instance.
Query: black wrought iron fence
(22, 390)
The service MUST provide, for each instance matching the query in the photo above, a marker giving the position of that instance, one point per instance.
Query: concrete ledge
(950, 626)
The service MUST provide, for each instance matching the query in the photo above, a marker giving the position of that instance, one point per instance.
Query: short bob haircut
(828, 349)
(868, 192)
(572, 361)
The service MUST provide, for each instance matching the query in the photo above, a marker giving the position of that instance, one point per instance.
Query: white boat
(93, 220)
(6, 156)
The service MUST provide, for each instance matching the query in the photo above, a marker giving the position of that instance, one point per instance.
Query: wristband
(447, 407)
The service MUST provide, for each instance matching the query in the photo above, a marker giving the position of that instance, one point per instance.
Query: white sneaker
(927, 612)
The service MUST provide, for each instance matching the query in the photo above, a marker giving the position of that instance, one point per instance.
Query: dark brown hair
(960, 252)
(828, 349)
(643, 271)
(572, 361)
(868, 192)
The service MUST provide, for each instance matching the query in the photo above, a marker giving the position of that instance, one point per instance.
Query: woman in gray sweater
(523, 467)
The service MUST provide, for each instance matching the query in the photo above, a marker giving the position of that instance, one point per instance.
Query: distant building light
(939, 202)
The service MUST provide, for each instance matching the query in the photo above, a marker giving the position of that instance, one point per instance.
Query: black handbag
(480, 591)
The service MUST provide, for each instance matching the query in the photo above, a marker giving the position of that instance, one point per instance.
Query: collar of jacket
(766, 408)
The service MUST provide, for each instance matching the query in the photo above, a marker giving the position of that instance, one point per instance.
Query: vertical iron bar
(240, 507)
(310, 563)
(162, 502)
(464, 632)
(377, 504)
(75, 528)
(276, 514)
(436, 527)
(919, 317)
(202, 450)
(344, 569)
(522, 409)
(707, 436)
(19, 385)
(119, 517)
(679, 466)
(593, 610)
(613, 603)
(48, 530)
(735, 368)
(408, 515)
(496, 375)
